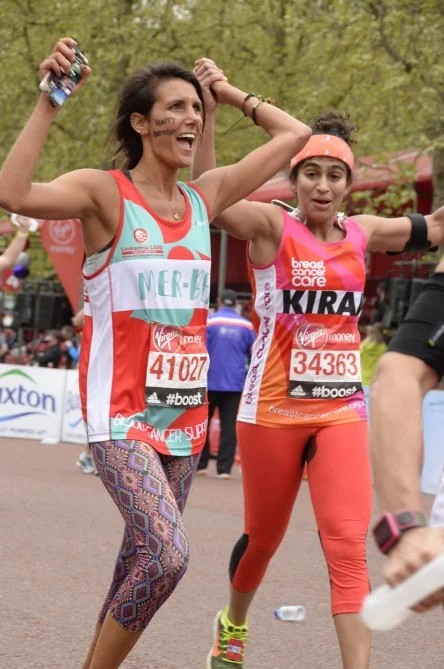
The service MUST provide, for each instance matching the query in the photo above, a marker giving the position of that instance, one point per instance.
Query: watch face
(383, 532)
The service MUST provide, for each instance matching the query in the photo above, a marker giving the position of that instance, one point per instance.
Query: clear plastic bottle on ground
(290, 613)
(387, 607)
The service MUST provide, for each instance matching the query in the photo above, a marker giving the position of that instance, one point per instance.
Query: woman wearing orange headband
(303, 399)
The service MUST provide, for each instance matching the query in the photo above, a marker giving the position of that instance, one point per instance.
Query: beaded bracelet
(253, 112)
(250, 95)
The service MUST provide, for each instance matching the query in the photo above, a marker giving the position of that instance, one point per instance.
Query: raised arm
(10, 255)
(244, 220)
(395, 234)
(402, 379)
(227, 185)
(404, 375)
(396, 434)
(68, 196)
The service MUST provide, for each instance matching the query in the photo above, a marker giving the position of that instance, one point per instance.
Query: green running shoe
(229, 644)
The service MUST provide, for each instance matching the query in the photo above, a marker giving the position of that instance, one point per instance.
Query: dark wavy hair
(138, 95)
(331, 123)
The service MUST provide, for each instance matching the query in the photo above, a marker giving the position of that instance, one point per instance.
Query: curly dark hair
(331, 123)
(334, 123)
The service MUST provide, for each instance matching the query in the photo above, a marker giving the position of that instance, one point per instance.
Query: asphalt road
(59, 536)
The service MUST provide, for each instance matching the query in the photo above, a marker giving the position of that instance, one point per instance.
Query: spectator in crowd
(71, 353)
(52, 354)
(85, 461)
(229, 341)
(8, 339)
(10, 255)
(70, 347)
(8, 259)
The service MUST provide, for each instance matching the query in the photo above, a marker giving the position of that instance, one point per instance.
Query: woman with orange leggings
(303, 398)
(340, 489)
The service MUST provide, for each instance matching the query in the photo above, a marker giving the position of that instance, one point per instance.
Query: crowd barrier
(433, 429)
(44, 404)
(40, 403)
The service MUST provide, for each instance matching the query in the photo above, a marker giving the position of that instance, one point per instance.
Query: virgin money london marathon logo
(62, 232)
(311, 336)
(167, 338)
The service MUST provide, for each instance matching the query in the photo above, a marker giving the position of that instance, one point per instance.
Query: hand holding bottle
(387, 607)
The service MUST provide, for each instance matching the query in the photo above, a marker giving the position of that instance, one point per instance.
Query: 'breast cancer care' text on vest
(143, 361)
(305, 366)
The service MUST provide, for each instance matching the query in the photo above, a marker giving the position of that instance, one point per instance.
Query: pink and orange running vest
(305, 367)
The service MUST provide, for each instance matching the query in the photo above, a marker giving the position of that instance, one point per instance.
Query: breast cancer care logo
(62, 232)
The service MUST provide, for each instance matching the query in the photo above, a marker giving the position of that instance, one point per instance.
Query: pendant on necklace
(176, 216)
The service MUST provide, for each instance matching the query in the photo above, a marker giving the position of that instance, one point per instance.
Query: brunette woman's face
(175, 122)
(320, 186)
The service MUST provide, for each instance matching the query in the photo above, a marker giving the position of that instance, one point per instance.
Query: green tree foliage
(379, 60)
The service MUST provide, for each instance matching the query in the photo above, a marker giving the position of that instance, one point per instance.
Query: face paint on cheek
(165, 121)
(160, 133)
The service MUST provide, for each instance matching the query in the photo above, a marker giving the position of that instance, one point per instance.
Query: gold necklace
(176, 214)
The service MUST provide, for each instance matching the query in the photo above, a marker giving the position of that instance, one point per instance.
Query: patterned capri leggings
(150, 491)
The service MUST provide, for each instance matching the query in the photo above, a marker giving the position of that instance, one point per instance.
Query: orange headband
(325, 145)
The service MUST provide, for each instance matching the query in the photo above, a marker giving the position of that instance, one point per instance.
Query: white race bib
(324, 364)
(177, 366)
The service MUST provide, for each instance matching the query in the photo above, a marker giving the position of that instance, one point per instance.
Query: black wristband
(418, 237)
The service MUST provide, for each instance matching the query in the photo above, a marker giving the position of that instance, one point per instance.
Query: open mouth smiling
(186, 138)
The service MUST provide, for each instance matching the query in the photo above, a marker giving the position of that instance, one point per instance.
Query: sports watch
(391, 526)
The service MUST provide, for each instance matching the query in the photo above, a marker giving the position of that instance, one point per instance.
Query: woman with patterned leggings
(303, 400)
(147, 281)
(151, 493)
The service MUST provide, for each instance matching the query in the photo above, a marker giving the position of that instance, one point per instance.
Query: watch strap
(407, 520)
(391, 526)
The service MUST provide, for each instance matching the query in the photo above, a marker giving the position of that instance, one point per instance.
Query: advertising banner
(62, 241)
(433, 421)
(31, 401)
(72, 422)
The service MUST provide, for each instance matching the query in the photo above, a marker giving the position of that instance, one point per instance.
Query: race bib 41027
(177, 367)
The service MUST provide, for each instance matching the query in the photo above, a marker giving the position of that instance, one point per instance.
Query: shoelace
(231, 632)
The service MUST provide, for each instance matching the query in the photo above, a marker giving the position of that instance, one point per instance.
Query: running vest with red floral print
(143, 361)
(305, 366)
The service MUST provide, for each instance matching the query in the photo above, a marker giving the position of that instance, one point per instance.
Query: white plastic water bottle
(387, 607)
(290, 613)
(17, 219)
